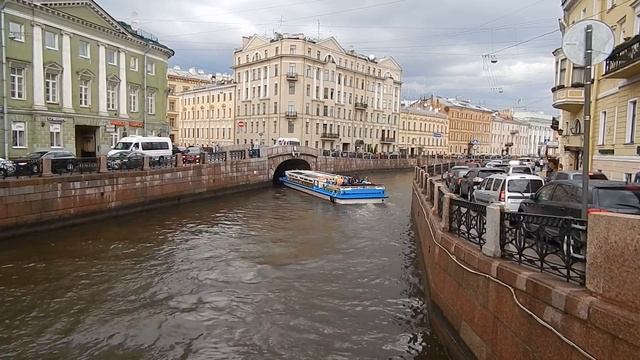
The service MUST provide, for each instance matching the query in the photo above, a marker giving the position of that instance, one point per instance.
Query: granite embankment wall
(475, 294)
(30, 204)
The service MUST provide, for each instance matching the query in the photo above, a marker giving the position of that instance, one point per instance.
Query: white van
(155, 147)
(508, 190)
(287, 141)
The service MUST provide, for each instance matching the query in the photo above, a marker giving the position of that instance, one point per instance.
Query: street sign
(110, 128)
(574, 44)
(552, 144)
(240, 124)
(437, 135)
(475, 142)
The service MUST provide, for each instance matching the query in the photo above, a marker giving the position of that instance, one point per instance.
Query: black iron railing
(217, 157)
(163, 162)
(80, 165)
(550, 244)
(468, 220)
(440, 200)
(625, 54)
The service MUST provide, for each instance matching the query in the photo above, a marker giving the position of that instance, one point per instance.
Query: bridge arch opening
(291, 164)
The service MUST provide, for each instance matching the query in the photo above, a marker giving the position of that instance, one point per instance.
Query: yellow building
(614, 110)
(314, 90)
(422, 132)
(469, 124)
(206, 115)
(179, 80)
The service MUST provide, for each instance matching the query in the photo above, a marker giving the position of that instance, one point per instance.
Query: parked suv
(192, 155)
(473, 178)
(576, 175)
(520, 169)
(61, 160)
(508, 190)
(564, 198)
(454, 171)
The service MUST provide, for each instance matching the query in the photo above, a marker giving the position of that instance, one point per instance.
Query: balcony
(572, 142)
(387, 140)
(623, 62)
(570, 99)
(361, 106)
(326, 135)
(292, 115)
(291, 76)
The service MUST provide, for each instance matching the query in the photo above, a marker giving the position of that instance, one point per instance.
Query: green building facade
(77, 79)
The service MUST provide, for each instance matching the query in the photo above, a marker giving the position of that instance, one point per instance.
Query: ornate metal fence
(80, 165)
(163, 163)
(217, 157)
(550, 244)
(440, 200)
(468, 220)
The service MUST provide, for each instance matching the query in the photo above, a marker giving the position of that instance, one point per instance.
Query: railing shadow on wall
(549, 244)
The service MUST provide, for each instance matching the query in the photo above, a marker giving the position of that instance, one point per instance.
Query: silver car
(508, 190)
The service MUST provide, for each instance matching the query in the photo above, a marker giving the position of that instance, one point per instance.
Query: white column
(38, 69)
(268, 76)
(122, 90)
(102, 80)
(315, 82)
(67, 91)
(342, 85)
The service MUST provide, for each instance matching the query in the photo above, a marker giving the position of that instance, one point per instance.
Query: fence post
(179, 160)
(436, 198)
(425, 181)
(492, 246)
(102, 164)
(446, 205)
(145, 163)
(46, 167)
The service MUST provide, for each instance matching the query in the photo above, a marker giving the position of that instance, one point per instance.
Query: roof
(176, 71)
(465, 104)
(596, 183)
(423, 112)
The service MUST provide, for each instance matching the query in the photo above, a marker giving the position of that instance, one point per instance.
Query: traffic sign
(240, 124)
(475, 142)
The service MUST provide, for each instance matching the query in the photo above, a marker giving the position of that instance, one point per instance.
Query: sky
(447, 48)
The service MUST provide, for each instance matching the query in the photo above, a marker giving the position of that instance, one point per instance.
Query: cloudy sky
(440, 44)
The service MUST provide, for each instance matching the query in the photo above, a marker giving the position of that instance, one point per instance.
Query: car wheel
(70, 167)
(35, 169)
(161, 161)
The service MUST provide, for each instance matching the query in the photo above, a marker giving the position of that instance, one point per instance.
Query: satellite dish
(573, 42)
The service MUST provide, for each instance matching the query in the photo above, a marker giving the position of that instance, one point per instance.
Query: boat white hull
(331, 198)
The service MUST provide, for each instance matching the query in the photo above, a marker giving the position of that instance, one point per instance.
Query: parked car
(154, 147)
(493, 163)
(125, 160)
(521, 169)
(456, 180)
(446, 177)
(61, 161)
(7, 167)
(473, 178)
(564, 198)
(508, 190)
(192, 155)
(177, 150)
(576, 175)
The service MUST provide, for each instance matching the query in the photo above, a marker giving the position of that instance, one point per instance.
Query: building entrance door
(86, 144)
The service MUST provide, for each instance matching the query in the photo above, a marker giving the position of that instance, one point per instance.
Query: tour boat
(335, 188)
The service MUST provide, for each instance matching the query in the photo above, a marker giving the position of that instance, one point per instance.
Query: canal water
(266, 274)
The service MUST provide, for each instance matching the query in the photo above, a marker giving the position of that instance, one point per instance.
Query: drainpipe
(144, 112)
(5, 111)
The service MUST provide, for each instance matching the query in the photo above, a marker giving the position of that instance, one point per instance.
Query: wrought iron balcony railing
(361, 106)
(326, 135)
(623, 55)
(291, 115)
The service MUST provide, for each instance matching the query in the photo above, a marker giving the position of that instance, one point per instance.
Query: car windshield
(525, 186)
(486, 173)
(123, 146)
(521, 170)
(619, 197)
(36, 155)
(193, 150)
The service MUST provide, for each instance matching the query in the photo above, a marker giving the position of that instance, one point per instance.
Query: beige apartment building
(508, 136)
(614, 111)
(292, 86)
(179, 80)
(422, 132)
(206, 115)
(469, 124)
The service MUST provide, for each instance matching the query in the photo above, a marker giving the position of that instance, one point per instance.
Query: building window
(51, 87)
(275, 89)
(18, 134)
(111, 57)
(133, 99)
(275, 107)
(16, 31)
(291, 127)
(55, 134)
(85, 49)
(632, 115)
(133, 63)
(151, 102)
(275, 127)
(112, 95)
(17, 83)
(562, 70)
(292, 50)
(151, 68)
(275, 70)
(51, 40)
(602, 127)
(292, 88)
(85, 92)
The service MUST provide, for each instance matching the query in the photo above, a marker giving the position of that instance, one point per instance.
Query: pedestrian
(636, 179)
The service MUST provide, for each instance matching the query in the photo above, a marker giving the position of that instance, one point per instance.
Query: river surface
(266, 274)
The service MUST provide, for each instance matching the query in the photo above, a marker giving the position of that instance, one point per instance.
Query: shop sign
(54, 119)
(136, 124)
(118, 123)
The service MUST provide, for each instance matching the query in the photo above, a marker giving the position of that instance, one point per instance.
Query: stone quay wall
(39, 203)
(474, 293)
